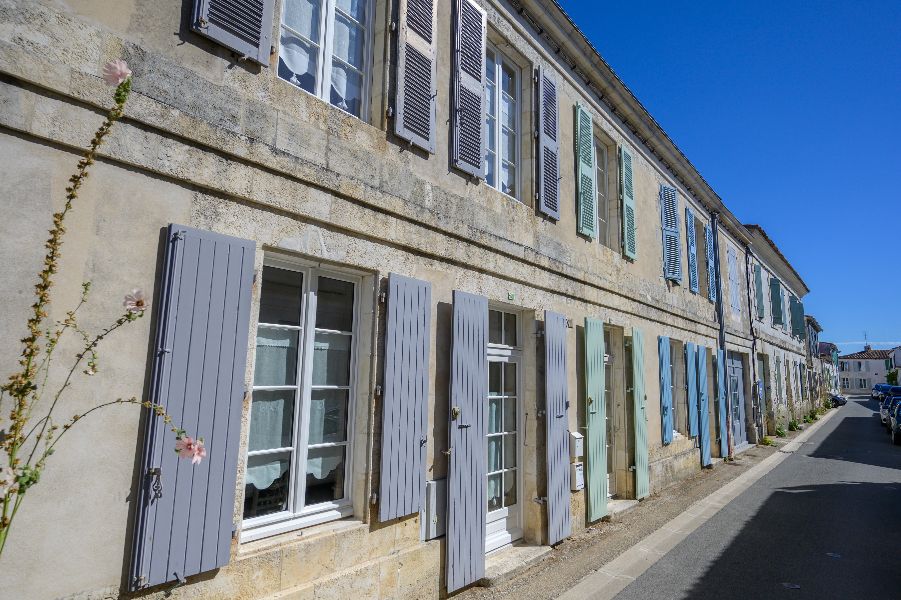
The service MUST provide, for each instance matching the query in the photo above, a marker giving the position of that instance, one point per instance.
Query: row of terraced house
(427, 277)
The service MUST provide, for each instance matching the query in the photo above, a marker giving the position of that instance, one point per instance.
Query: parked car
(895, 425)
(879, 390)
(892, 397)
(838, 400)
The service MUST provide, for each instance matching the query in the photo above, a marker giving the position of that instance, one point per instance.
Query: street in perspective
(477, 299)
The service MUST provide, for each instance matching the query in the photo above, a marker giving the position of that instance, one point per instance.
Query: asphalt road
(825, 523)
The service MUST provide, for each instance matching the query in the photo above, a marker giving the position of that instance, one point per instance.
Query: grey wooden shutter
(711, 262)
(405, 397)
(703, 407)
(548, 144)
(586, 194)
(627, 191)
(692, 246)
(758, 288)
(184, 512)
(556, 391)
(595, 419)
(244, 27)
(734, 292)
(469, 89)
(721, 401)
(776, 301)
(417, 74)
(666, 390)
(467, 504)
(669, 217)
(691, 382)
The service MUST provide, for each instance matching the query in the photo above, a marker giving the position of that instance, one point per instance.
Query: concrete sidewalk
(614, 576)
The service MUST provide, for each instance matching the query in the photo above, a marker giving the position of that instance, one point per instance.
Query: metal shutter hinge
(540, 500)
(569, 323)
(378, 391)
(383, 297)
(393, 25)
(373, 498)
(390, 112)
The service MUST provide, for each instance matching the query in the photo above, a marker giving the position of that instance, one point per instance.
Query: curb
(610, 579)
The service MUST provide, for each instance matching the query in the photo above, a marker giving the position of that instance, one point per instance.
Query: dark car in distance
(889, 402)
(838, 400)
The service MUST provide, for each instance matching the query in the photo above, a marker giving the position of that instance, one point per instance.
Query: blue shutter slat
(557, 426)
(666, 390)
(669, 218)
(711, 262)
(691, 381)
(203, 324)
(467, 494)
(405, 397)
(693, 283)
(703, 407)
(721, 400)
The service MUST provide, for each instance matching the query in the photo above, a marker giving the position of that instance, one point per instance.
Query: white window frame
(502, 353)
(600, 145)
(290, 519)
(326, 47)
(501, 59)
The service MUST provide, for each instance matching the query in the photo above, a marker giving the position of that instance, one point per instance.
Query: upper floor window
(502, 107)
(601, 165)
(323, 49)
(299, 445)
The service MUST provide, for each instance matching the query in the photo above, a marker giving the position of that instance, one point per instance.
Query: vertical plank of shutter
(776, 300)
(404, 397)
(586, 196)
(669, 218)
(693, 283)
(467, 495)
(642, 475)
(666, 390)
(691, 379)
(203, 328)
(469, 88)
(556, 426)
(595, 419)
(721, 400)
(548, 144)
(245, 27)
(758, 291)
(627, 191)
(417, 73)
(703, 407)
(711, 264)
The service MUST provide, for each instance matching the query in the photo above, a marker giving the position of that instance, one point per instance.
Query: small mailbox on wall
(576, 445)
(576, 477)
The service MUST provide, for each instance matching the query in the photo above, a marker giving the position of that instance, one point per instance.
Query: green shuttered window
(627, 191)
(586, 198)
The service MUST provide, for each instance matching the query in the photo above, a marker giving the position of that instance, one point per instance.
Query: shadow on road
(862, 440)
(833, 545)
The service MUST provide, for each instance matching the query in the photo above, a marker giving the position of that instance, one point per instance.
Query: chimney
(867, 348)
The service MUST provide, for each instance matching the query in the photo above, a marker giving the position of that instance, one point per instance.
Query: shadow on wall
(824, 560)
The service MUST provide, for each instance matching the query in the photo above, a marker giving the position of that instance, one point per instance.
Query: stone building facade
(525, 301)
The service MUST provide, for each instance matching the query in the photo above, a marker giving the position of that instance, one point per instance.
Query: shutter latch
(157, 485)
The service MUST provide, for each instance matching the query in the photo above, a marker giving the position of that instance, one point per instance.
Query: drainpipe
(715, 226)
(758, 418)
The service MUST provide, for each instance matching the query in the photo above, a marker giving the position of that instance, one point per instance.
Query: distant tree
(891, 377)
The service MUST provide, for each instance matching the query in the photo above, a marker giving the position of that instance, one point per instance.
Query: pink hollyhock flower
(188, 447)
(135, 301)
(116, 71)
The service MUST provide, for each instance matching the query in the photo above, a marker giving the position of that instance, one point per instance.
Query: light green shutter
(627, 190)
(586, 197)
(595, 419)
(642, 475)
(758, 286)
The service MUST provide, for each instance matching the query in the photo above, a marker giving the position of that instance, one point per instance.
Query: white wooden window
(734, 287)
(502, 122)
(504, 485)
(324, 49)
(299, 443)
(602, 177)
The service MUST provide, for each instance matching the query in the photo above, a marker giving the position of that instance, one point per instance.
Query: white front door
(504, 520)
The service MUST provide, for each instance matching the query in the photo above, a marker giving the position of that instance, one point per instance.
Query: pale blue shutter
(691, 382)
(183, 515)
(642, 465)
(666, 390)
(627, 191)
(586, 193)
(417, 76)
(405, 397)
(711, 262)
(693, 283)
(466, 477)
(703, 407)
(469, 89)
(669, 218)
(548, 144)
(243, 27)
(721, 401)
(556, 391)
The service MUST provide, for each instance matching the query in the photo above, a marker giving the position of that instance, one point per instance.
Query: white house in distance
(860, 371)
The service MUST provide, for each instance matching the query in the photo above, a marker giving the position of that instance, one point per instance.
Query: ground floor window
(298, 445)
(504, 520)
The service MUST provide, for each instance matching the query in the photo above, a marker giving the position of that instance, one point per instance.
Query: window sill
(296, 523)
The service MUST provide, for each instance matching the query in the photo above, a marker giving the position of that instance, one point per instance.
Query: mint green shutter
(642, 475)
(627, 190)
(586, 196)
(595, 419)
(758, 289)
(776, 301)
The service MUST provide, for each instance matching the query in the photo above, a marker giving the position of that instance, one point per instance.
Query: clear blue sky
(792, 111)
